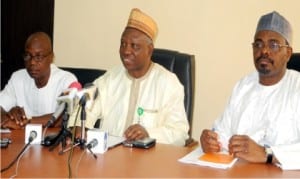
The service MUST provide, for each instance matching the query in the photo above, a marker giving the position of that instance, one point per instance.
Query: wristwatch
(269, 154)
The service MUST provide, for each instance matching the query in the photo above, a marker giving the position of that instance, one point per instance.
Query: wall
(219, 33)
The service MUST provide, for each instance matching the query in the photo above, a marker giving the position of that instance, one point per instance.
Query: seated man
(262, 120)
(140, 98)
(31, 93)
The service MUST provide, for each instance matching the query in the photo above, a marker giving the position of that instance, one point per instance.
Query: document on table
(289, 162)
(288, 157)
(216, 160)
(113, 141)
(5, 131)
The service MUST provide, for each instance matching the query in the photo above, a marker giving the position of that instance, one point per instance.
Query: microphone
(86, 100)
(87, 95)
(65, 99)
(32, 136)
(56, 114)
(92, 144)
(71, 97)
(75, 85)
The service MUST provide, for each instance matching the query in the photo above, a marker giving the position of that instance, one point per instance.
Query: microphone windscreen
(76, 85)
(92, 144)
(32, 136)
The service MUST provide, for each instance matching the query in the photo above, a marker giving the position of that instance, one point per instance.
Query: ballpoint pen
(222, 141)
(140, 112)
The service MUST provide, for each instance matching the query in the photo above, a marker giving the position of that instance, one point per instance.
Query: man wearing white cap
(139, 98)
(261, 122)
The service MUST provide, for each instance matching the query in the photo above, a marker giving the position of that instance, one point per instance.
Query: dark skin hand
(14, 119)
(135, 132)
(8, 123)
(242, 146)
(209, 141)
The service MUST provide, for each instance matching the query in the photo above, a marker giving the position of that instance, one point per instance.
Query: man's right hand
(6, 122)
(209, 141)
(14, 119)
(18, 115)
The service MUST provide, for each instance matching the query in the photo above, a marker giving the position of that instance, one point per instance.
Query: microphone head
(92, 90)
(92, 144)
(68, 96)
(76, 85)
(32, 136)
(87, 95)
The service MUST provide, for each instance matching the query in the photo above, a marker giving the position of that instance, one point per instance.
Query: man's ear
(289, 53)
(52, 57)
(151, 48)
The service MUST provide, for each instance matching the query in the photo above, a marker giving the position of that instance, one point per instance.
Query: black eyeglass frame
(272, 45)
(38, 58)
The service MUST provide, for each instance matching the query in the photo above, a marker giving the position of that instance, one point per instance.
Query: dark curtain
(20, 18)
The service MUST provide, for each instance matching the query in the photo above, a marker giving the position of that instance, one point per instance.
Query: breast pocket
(149, 118)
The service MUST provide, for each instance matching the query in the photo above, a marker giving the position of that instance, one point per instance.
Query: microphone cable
(72, 142)
(44, 133)
(17, 167)
(81, 156)
(78, 162)
(20, 153)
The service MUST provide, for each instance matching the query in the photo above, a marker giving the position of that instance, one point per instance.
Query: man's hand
(209, 141)
(244, 147)
(6, 122)
(14, 119)
(17, 114)
(135, 132)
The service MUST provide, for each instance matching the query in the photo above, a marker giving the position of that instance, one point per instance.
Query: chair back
(182, 65)
(294, 62)
(85, 75)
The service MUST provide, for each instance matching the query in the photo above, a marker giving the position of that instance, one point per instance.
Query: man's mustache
(265, 58)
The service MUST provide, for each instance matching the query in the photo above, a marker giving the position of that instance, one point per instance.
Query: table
(159, 161)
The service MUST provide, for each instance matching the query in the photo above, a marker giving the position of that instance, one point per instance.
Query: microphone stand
(80, 141)
(64, 132)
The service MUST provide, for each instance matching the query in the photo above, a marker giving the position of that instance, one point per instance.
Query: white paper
(114, 141)
(193, 158)
(5, 131)
(288, 160)
(288, 156)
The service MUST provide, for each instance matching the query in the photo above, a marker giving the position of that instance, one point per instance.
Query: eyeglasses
(272, 45)
(37, 58)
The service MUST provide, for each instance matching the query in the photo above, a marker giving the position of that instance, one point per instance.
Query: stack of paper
(113, 141)
(216, 160)
(289, 160)
(5, 131)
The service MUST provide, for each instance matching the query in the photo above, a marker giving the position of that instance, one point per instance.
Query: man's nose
(32, 61)
(265, 49)
(127, 50)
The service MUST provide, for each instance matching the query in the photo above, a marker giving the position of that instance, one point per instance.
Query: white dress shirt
(270, 115)
(22, 91)
(159, 94)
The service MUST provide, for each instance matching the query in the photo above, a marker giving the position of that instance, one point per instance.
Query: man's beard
(263, 69)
